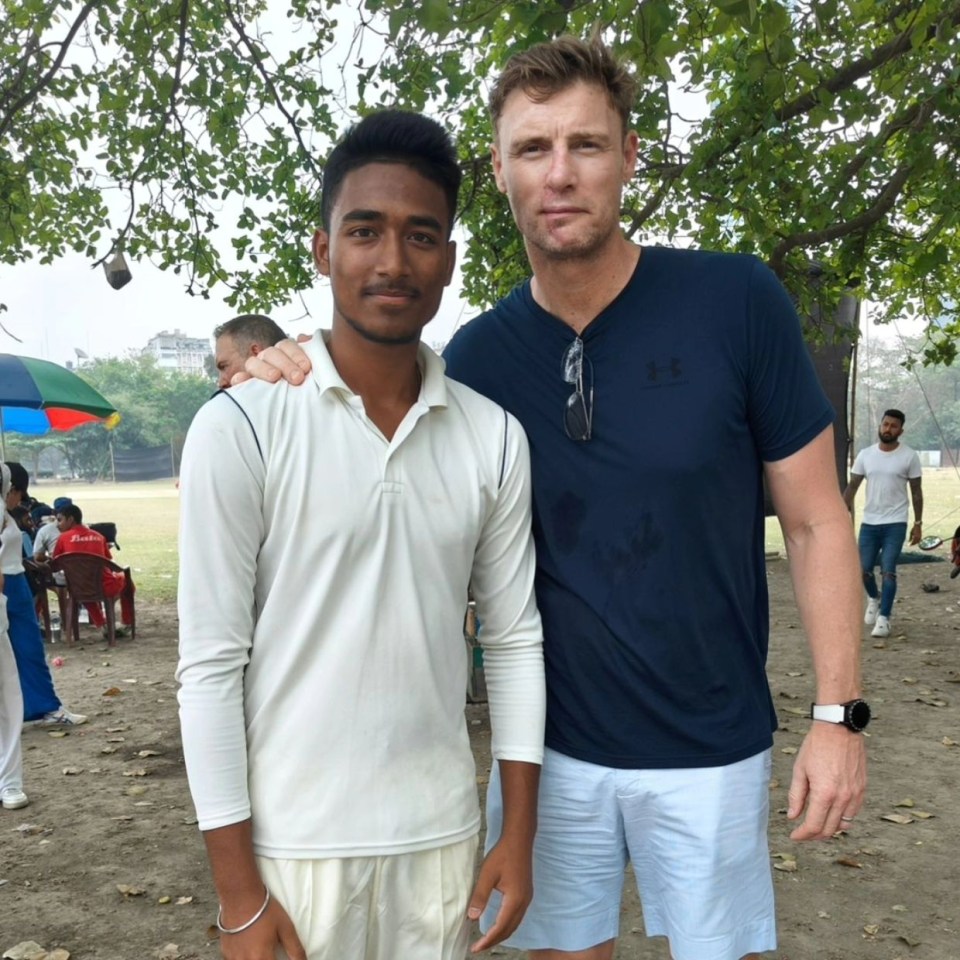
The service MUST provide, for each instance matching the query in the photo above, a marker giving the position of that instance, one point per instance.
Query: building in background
(176, 351)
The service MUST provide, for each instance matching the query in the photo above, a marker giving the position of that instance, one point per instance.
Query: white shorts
(697, 839)
(410, 905)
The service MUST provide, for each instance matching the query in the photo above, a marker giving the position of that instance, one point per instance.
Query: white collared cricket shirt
(324, 573)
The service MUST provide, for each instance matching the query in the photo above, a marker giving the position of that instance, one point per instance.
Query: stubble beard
(588, 246)
(400, 339)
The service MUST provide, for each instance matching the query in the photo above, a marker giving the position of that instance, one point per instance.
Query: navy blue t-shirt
(650, 563)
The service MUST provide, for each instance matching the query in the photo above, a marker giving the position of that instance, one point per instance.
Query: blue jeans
(881, 541)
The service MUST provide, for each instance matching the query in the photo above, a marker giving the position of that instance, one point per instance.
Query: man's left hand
(510, 872)
(829, 781)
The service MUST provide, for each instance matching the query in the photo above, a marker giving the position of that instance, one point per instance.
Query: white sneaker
(62, 718)
(881, 628)
(873, 606)
(13, 798)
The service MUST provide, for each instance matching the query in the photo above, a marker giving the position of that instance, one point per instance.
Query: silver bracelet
(243, 926)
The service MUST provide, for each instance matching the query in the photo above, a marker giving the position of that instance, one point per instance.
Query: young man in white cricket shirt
(322, 662)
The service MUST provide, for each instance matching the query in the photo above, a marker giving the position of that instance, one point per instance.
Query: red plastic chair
(84, 575)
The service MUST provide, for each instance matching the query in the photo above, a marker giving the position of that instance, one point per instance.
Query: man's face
(562, 164)
(387, 254)
(64, 522)
(229, 359)
(890, 429)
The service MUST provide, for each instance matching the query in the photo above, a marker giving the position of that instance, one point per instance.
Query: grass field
(941, 509)
(146, 515)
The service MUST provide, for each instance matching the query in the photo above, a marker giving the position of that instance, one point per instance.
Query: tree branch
(852, 72)
(861, 223)
(268, 82)
(842, 80)
(639, 217)
(47, 78)
(914, 115)
(161, 126)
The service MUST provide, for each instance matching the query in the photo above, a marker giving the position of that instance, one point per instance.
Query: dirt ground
(107, 862)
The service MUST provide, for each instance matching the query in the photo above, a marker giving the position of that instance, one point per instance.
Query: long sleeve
(221, 529)
(511, 633)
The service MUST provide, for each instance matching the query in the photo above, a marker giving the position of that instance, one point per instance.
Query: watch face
(859, 714)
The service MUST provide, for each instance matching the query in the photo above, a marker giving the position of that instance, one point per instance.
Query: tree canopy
(193, 131)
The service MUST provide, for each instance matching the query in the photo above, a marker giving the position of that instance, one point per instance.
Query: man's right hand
(259, 942)
(286, 360)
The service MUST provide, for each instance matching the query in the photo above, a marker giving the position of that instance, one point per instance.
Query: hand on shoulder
(284, 361)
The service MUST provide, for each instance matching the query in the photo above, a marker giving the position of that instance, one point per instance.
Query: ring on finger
(848, 819)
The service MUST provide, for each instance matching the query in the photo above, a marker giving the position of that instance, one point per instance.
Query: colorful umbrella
(37, 396)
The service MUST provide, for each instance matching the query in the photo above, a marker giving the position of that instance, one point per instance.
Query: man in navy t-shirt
(658, 388)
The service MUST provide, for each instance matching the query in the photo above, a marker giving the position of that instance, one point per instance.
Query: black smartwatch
(854, 714)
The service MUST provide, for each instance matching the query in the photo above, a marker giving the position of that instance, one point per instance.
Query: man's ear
(631, 149)
(321, 251)
(497, 167)
(451, 261)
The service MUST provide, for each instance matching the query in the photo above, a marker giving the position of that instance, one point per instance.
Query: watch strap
(830, 712)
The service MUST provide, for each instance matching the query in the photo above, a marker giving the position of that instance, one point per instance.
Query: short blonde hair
(547, 68)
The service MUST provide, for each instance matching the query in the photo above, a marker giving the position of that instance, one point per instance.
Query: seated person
(76, 538)
(43, 543)
(48, 531)
(21, 516)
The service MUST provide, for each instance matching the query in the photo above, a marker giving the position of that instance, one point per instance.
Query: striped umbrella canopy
(37, 396)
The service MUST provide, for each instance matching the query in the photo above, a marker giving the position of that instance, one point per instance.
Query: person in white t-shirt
(323, 674)
(888, 467)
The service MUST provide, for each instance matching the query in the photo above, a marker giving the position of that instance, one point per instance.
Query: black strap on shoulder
(233, 400)
(503, 455)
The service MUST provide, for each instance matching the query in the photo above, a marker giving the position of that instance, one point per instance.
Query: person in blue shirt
(659, 389)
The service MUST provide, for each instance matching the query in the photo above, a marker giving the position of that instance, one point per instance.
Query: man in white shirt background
(323, 675)
(888, 466)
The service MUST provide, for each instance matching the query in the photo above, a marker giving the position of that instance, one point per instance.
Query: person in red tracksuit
(76, 538)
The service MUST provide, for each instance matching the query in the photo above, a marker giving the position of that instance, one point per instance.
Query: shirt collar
(433, 388)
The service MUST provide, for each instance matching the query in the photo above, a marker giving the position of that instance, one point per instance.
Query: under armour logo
(655, 371)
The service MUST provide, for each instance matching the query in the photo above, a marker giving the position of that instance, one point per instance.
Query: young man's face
(387, 254)
(64, 523)
(562, 164)
(890, 429)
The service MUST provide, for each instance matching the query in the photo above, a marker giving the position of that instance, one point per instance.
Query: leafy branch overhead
(193, 132)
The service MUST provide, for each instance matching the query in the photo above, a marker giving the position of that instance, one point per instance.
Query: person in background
(76, 538)
(12, 796)
(23, 520)
(889, 467)
(40, 701)
(240, 338)
(43, 547)
(48, 531)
